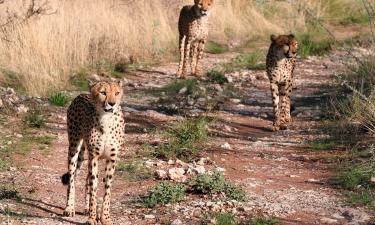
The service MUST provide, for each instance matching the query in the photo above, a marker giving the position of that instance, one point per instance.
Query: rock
(161, 174)
(204, 161)
(171, 162)
(181, 163)
(328, 221)
(220, 169)
(372, 179)
(176, 222)
(218, 87)
(314, 181)
(177, 174)
(199, 169)
(235, 100)
(149, 217)
(183, 90)
(226, 145)
(22, 109)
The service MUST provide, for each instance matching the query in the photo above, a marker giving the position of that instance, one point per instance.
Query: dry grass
(46, 50)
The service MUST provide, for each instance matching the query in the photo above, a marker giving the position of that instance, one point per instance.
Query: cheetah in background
(193, 29)
(281, 60)
(96, 125)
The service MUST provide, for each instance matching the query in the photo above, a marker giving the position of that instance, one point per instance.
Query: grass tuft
(309, 47)
(135, 171)
(216, 183)
(225, 219)
(264, 221)
(215, 48)
(217, 77)
(59, 99)
(163, 193)
(185, 139)
(35, 119)
(249, 61)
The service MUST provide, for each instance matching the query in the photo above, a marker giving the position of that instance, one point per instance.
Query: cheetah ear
(91, 83)
(119, 82)
(273, 37)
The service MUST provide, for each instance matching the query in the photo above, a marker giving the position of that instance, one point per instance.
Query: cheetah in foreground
(96, 123)
(193, 29)
(281, 60)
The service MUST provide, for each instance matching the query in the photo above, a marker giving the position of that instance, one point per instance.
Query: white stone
(161, 174)
(177, 174)
(226, 145)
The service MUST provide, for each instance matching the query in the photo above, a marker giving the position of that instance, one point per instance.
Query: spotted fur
(281, 61)
(193, 29)
(96, 125)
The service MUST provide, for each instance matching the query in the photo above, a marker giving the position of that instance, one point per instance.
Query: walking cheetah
(281, 60)
(96, 123)
(193, 29)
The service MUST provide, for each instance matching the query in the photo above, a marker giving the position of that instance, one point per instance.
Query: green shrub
(216, 183)
(215, 48)
(4, 165)
(225, 219)
(365, 197)
(263, 221)
(250, 61)
(185, 139)
(163, 193)
(80, 80)
(175, 87)
(217, 77)
(59, 99)
(308, 47)
(135, 170)
(35, 119)
(355, 176)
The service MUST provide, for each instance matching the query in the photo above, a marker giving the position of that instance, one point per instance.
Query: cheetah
(95, 125)
(281, 61)
(193, 29)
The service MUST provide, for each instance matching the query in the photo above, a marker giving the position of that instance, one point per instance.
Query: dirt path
(283, 177)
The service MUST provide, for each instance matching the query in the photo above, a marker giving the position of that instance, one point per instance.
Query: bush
(185, 139)
(225, 219)
(164, 193)
(175, 87)
(309, 47)
(215, 48)
(35, 119)
(134, 170)
(217, 77)
(216, 183)
(59, 99)
(263, 221)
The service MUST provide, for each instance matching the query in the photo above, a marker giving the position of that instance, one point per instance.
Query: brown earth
(282, 175)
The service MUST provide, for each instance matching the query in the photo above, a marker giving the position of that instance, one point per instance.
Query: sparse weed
(215, 48)
(263, 221)
(134, 170)
(59, 99)
(365, 197)
(309, 47)
(225, 219)
(4, 164)
(216, 183)
(163, 193)
(324, 144)
(216, 76)
(35, 119)
(80, 80)
(185, 139)
(177, 86)
(250, 61)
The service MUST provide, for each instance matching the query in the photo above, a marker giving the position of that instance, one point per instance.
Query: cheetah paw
(91, 221)
(69, 212)
(275, 128)
(107, 221)
(283, 127)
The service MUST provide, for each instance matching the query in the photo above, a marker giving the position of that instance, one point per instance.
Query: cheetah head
(202, 7)
(106, 95)
(285, 45)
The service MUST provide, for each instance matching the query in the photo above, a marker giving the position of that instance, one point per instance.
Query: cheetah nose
(111, 103)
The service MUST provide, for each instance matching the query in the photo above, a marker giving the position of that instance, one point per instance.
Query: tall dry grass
(45, 51)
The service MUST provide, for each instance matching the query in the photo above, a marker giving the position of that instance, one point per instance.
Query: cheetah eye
(103, 93)
(117, 93)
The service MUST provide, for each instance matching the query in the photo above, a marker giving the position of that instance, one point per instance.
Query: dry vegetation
(43, 51)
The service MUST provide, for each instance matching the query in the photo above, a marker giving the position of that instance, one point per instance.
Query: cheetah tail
(65, 178)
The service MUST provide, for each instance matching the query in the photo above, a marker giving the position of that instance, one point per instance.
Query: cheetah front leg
(194, 58)
(69, 178)
(198, 68)
(182, 46)
(276, 108)
(93, 188)
(285, 104)
(187, 57)
(110, 170)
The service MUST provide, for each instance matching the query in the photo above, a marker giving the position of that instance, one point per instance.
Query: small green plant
(134, 170)
(355, 176)
(4, 164)
(324, 144)
(263, 221)
(215, 48)
(80, 80)
(365, 197)
(217, 77)
(216, 183)
(309, 47)
(185, 139)
(59, 99)
(35, 119)
(250, 61)
(176, 86)
(225, 219)
(163, 193)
